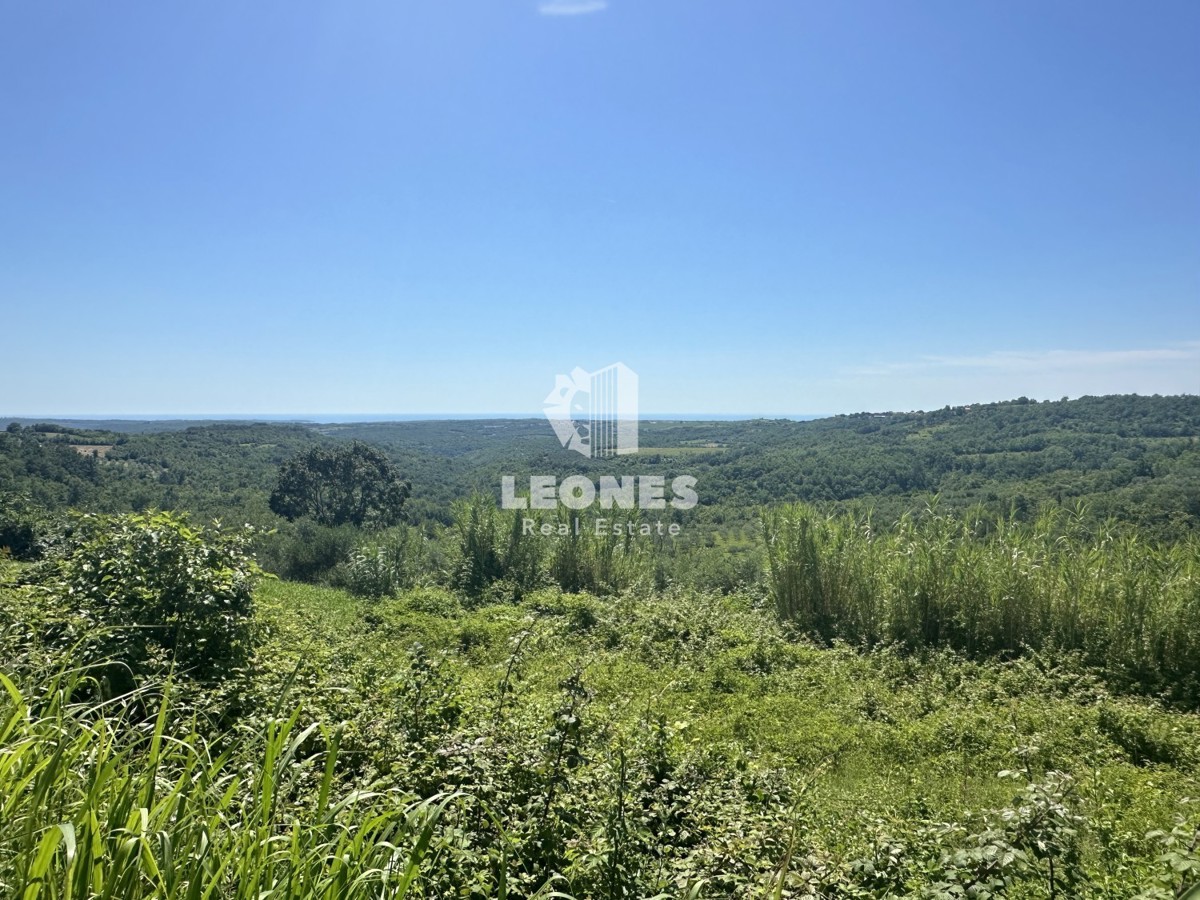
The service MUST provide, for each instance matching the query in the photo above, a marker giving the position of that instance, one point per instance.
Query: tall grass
(496, 552)
(384, 565)
(994, 586)
(94, 805)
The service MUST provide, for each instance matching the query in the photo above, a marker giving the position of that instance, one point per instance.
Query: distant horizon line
(358, 418)
(351, 418)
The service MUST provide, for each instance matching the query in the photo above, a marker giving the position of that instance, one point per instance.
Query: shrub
(381, 568)
(20, 527)
(142, 593)
(1147, 735)
(307, 552)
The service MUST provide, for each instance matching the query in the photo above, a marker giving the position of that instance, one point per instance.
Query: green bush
(21, 524)
(144, 593)
(1146, 734)
(382, 567)
(306, 551)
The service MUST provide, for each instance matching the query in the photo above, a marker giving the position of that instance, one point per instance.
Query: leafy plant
(94, 807)
(143, 594)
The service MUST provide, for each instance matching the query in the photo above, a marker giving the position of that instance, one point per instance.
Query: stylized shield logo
(595, 413)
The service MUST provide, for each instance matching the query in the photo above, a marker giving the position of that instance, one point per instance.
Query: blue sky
(761, 207)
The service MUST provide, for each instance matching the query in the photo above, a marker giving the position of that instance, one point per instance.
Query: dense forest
(1129, 457)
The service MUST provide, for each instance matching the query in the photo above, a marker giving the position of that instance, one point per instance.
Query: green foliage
(995, 586)
(669, 743)
(218, 470)
(1148, 735)
(1035, 839)
(305, 551)
(1179, 859)
(506, 553)
(351, 485)
(479, 563)
(94, 806)
(579, 744)
(815, 709)
(382, 567)
(145, 593)
(1131, 458)
(22, 527)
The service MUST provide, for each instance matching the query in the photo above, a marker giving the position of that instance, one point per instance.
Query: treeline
(1136, 459)
(215, 471)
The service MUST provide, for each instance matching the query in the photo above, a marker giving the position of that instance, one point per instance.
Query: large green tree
(351, 485)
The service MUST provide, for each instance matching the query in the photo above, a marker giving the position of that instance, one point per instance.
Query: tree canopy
(349, 485)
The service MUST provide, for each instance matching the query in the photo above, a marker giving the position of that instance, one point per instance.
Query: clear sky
(422, 206)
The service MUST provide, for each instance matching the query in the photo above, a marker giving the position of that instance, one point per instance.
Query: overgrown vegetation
(673, 745)
(995, 587)
(96, 804)
(922, 698)
(141, 595)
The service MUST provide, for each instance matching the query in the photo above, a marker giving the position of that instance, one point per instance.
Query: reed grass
(994, 586)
